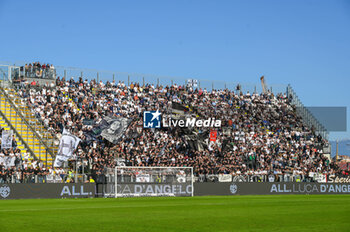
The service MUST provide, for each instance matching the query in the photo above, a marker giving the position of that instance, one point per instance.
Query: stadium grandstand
(263, 134)
(230, 116)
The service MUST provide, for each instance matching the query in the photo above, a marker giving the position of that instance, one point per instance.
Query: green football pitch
(215, 213)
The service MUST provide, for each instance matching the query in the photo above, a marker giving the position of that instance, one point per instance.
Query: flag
(115, 128)
(68, 143)
(178, 108)
(6, 139)
(196, 141)
(213, 135)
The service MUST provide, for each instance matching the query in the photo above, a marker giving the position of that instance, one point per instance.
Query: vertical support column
(76, 170)
(27, 137)
(22, 129)
(82, 170)
(128, 80)
(192, 180)
(65, 74)
(40, 145)
(52, 151)
(116, 182)
(143, 81)
(98, 77)
(5, 106)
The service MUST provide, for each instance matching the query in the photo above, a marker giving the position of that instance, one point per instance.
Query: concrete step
(21, 127)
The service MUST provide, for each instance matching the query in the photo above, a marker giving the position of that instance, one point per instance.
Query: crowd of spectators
(33, 73)
(260, 133)
(18, 168)
(38, 70)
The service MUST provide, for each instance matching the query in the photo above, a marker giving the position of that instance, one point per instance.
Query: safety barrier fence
(16, 70)
(77, 190)
(43, 179)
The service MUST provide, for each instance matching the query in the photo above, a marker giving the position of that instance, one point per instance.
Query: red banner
(213, 135)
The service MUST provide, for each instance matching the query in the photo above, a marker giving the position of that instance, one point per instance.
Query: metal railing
(32, 72)
(156, 80)
(42, 179)
(308, 118)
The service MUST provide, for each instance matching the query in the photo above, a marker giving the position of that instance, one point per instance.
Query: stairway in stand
(34, 134)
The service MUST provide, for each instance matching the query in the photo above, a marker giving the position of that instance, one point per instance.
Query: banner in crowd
(178, 108)
(213, 135)
(192, 83)
(88, 122)
(318, 178)
(225, 178)
(252, 178)
(6, 139)
(338, 179)
(142, 178)
(68, 143)
(8, 161)
(110, 128)
(115, 128)
(196, 141)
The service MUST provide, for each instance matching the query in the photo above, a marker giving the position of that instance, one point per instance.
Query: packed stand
(260, 133)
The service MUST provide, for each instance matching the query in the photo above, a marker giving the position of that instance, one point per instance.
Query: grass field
(227, 213)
